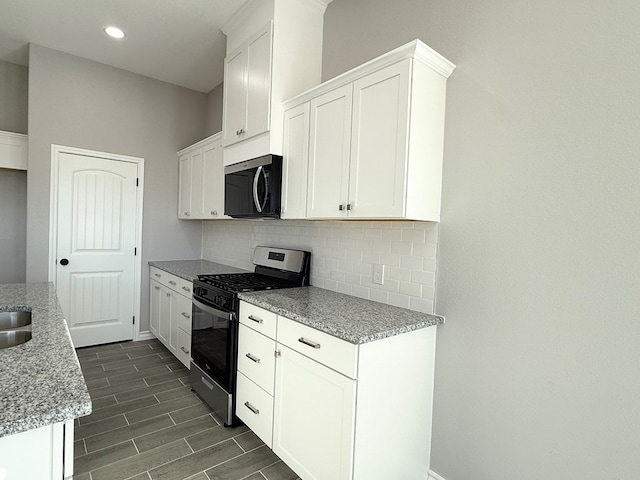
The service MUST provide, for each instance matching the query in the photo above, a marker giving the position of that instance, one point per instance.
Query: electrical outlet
(378, 274)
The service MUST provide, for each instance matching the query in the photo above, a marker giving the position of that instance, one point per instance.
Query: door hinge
(135, 251)
(134, 319)
(137, 182)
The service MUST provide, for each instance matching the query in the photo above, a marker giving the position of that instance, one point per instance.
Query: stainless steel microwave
(252, 189)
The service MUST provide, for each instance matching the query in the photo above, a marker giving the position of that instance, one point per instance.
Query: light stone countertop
(349, 318)
(190, 269)
(40, 381)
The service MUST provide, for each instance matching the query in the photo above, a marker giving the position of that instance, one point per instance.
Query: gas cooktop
(245, 282)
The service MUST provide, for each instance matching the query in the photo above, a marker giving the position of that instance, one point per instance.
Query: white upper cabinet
(247, 88)
(329, 153)
(14, 150)
(376, 138)
(201, 185)
(274, 51)
(294, 168)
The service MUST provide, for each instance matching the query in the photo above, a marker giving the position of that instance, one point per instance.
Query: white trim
(434, 476)
(56, 151)
(146, 335)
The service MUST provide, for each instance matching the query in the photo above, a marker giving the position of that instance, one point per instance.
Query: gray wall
(13, 225)
(79, 103)
(14, 82)
(213, 121)
(538, 262)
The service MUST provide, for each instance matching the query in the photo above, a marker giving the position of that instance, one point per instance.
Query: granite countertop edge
(42, 380)
(336, 307)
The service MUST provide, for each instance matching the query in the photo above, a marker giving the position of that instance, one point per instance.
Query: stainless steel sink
(17, 319)
(11, 338)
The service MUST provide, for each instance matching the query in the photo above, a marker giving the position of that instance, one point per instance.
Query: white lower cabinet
(44, 453)
(254, 407)
(314, 417)
(170, 312)
(337, 411)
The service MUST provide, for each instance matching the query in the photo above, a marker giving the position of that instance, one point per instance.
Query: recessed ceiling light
(114, 32)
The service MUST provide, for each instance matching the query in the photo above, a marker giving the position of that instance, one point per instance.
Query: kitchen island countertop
(41, 380)
(190, 269)
(349, 318)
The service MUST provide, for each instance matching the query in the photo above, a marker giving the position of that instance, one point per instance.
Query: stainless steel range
(214, 335)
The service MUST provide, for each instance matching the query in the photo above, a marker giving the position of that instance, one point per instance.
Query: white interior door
(96, 238)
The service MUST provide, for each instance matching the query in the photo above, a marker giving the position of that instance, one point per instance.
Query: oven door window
(212, 343)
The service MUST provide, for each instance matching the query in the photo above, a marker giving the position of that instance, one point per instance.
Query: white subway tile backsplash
(343, 254)
(413, 235)
(399, 300)
(424, 278)
(379, 296)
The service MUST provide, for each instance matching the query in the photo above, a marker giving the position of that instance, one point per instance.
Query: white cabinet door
(258, 82)
(295, 162)
(190, 194)
(155, 293)
(247, 88)
(184, 186)
(329, 150)
(234, 99)
(212, 181)
(379, 140)
(314, 416)
(197, 194)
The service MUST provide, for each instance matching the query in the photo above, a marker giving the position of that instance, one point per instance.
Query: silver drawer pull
(185, 351)
(252, 358)
(172, 283)
(157, 275)
(186, 289)
(252, 408)
(256, 319)
(186, 315)
(309, 342)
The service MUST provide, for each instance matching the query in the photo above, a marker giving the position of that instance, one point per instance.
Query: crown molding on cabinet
(416, 49)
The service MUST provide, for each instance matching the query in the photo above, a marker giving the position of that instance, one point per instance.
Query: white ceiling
(177, 41)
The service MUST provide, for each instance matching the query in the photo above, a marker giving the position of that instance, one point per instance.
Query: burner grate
(245, 282)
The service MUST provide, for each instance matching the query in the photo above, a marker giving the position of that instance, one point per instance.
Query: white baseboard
(434, 476)
(146, 335)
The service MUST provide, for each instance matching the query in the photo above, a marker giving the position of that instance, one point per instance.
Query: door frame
(56, 151)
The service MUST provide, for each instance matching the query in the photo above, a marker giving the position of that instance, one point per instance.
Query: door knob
(64, 262)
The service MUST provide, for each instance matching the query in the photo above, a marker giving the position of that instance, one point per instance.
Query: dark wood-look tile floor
(147, 424)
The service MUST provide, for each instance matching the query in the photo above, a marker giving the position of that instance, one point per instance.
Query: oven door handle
(213, 311)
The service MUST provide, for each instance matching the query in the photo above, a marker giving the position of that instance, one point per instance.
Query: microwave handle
(256, 178)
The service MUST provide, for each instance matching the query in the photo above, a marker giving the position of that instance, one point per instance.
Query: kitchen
(535, 245)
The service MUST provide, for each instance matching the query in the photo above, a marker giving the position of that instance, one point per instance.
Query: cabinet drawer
(259, 319)
(322, 347)
(171, 281)
(184, 287)
(183, 313)
(183, 352)
(256, 357)
(254, 407)
(159, 276)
